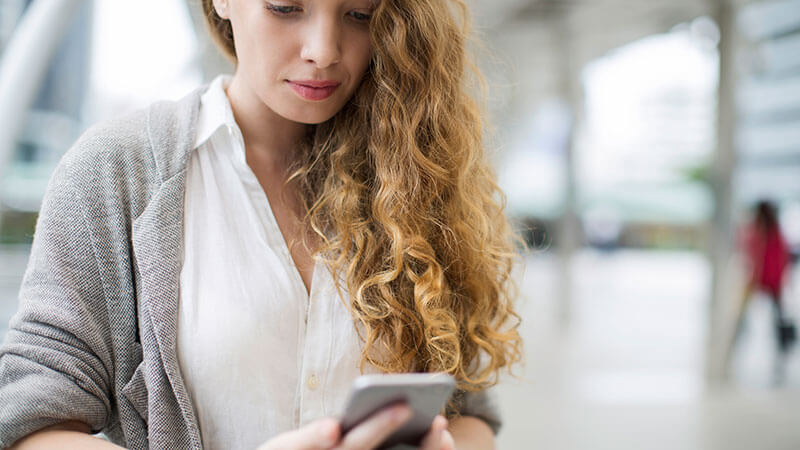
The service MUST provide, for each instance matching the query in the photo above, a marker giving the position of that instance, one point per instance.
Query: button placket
(314, 352)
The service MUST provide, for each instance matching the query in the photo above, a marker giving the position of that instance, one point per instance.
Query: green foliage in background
(17, 227)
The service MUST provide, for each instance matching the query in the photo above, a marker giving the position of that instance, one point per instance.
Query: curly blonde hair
(398, 189)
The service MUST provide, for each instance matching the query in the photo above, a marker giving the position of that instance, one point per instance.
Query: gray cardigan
(94, 339)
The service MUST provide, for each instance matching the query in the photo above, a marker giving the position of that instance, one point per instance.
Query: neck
(269, 138)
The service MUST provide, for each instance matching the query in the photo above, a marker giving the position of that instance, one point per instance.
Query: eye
(360, 16)
(281, 10)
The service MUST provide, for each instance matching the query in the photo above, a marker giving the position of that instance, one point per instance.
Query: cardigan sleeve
(56, 359)
(481, 404)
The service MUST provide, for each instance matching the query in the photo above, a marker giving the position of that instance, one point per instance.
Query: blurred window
(647, 141)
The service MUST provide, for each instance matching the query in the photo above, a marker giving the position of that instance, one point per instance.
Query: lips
(314, 90)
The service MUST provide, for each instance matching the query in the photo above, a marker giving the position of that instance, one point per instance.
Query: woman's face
(303, 58)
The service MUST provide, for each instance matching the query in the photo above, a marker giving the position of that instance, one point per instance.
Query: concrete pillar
(721, 245)
(569, 233)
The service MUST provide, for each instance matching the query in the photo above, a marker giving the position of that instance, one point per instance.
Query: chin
(310, 119)
(307, 121)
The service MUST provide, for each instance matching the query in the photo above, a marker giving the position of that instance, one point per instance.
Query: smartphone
(425, 393)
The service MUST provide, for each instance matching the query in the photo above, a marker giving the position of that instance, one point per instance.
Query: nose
(322, 43)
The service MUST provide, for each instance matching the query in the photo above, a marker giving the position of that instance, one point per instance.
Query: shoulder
(139, 150)
(120, 145)
(123, 161)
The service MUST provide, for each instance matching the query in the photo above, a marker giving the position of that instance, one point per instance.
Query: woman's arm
(57, 361)
(471, 433)
(67, 436)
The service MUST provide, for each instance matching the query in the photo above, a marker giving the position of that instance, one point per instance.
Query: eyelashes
(288, 11)
(280, 9)
(359, 16)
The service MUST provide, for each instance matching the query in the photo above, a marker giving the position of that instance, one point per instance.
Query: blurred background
(633, 139)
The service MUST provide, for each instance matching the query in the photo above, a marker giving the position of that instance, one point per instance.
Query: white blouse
(259, 355)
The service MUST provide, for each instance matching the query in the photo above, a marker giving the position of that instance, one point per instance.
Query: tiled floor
(625, 372)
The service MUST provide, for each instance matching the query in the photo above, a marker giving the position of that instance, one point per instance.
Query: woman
(215, 272)
(768, 260)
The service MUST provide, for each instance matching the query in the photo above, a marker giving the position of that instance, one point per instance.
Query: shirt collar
(215, 110)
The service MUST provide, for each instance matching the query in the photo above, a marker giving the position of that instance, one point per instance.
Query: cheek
(368, 53)
(360, 51)
(264, 44)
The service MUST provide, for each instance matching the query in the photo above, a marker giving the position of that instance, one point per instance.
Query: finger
(433, 439)
(377, 428)
(318, 435)
(448, 443)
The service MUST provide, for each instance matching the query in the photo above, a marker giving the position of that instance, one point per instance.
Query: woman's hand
(438, 438)
(325, 434)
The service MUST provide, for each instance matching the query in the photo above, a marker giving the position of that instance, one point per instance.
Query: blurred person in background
(215, 272)
(768, 258)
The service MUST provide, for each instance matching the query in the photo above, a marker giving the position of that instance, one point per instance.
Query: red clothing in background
(768, 257)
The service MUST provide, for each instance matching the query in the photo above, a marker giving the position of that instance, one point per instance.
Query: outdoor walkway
(627, 371)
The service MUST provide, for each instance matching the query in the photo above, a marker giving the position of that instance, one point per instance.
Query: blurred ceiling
(537, 48)
(593, 26)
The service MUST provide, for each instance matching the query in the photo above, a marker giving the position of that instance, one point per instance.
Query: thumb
(318, 435)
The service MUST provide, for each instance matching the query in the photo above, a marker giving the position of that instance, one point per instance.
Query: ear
(221, 7)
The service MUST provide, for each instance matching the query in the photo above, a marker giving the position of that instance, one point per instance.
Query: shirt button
(312, 382)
